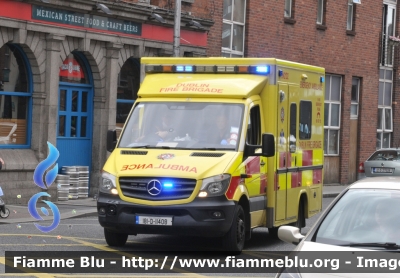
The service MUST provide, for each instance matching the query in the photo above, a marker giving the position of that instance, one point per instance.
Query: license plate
(154, 220)
(382, 170)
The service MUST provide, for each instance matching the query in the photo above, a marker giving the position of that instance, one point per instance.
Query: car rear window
(385, 155)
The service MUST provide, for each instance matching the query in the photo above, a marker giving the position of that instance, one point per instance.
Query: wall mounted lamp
(102, 8)
(157, 17)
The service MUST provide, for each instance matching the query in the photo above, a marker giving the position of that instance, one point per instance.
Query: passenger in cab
(221, 133)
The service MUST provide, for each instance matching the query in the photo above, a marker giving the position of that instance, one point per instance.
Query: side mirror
(111, 140)
(290, 234)
(268, 145)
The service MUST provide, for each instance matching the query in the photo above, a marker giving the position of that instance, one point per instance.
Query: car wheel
(115, 239)
(234, 240)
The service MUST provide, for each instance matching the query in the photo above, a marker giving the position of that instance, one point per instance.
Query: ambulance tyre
(115, 239)
(300, 223)
(234, 240)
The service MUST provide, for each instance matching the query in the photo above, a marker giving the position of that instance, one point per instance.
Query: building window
(321, 12)
(351, 11)
(385, 118)
(15, 98)
(288, 8)
(333, 92)
(233, 30)
(355, 96)
(388, 30)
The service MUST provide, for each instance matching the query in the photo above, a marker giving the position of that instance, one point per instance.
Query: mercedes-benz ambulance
(192, 174)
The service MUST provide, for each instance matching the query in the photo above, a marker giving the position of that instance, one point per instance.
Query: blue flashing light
(322, 79)
(168, 185)
(180, 68)
(188, 68)
(280, 72)
(262, 69)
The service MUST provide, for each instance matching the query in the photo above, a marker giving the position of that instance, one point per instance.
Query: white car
(364, 217)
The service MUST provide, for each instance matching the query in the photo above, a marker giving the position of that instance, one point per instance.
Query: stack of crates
(73, 174)
(83, 183)
(62, 182)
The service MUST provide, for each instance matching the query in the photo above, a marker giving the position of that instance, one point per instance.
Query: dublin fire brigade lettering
(159, 166)
(192, 87)
(310, 144)
(308, 85)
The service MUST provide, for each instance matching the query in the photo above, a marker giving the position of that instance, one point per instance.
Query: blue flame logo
(44, 177)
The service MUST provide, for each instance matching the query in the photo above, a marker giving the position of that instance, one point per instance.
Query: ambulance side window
(305, 119)
(293, 127)
(254, 127)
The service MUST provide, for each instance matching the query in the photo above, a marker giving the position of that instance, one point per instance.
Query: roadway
(84, 234)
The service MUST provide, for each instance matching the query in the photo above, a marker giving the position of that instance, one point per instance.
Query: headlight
(108, 184)
(215, 186)
(288, 273)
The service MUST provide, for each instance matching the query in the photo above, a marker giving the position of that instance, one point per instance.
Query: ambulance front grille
(154, 189)
(134, 152)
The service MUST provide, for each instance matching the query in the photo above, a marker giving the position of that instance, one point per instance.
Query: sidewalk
(68, 209)
(87, 207)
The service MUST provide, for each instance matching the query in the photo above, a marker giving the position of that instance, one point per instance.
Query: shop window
(128, 86)
(15, 97)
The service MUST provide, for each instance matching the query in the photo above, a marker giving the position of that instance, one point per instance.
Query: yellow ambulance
(216, 147)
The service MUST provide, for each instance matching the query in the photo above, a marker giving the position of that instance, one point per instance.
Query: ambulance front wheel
(301, 220)
(234, 240)
(115, 239)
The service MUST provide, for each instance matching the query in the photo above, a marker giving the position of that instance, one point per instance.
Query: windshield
(385, 155)
(363, 216)
(183, 125)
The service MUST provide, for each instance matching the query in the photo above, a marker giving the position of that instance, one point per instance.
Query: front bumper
(195, 218)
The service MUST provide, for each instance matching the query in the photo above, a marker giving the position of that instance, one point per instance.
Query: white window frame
(229, 51)
(329, 128)
(320, 12)
(355, 88)
(384, 126)
(389, 29)
(350, 15)
(288, 8)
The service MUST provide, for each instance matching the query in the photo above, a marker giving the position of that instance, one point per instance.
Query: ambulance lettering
(159, 166)
(192, 87)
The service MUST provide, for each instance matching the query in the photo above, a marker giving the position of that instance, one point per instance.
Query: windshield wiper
(387, 245)
(139, 146)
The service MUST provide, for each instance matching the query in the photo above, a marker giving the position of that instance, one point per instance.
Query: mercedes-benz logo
(154, 187)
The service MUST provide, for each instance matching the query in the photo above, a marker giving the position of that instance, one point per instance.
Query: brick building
(71, 71)
(350, 39)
